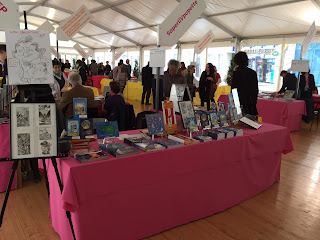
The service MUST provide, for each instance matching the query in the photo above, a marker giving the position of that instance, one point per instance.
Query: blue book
(169, 143)
(155, 123)
(231, 100)
(203, 138)
(214, 119)
(222, 107)
(223, 119)
(107, 129)
(193, 124)
(79, 107)
(73, 127)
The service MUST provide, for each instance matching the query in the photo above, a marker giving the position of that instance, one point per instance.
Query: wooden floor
(289, 210)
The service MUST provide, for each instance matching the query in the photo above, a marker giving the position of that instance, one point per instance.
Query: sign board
(155, 71)
(203, 43)
(73, 24)
(54, 52)
(179, 21)
(300, 66)
(29, 57)
(157, 57)
(81, 51)
(46, 27)
(307, 41)
(118, 55)
(9, 15)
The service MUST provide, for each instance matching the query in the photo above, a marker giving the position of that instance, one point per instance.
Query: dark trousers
(208, 103)
(146, 90)
(35, 168)
(309, 108)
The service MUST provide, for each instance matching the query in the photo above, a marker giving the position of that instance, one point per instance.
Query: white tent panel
(24, 8)
(29, 1)
(113, 40)
(234, 22)
(114, 20)
(112, 1)
(150, 12)
(218, 6)
(199, 28)
(51, 13)
(33, 20)
(142, 36)
(74, 5)
(92, 30)
(77, 35)
(89, 42)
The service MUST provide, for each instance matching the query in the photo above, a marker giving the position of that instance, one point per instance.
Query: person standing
(306, 88)
(3, 60)
(183, 68)
(100, 69)
(191, 82)
(82, 71)
(147, 77)
(107, 69)
(245, 81)
(218, 78)
(67, 65)
(172, 76)
(207, 81)
(59, 80)
(93, 68)
(85, 66)
(289, 81)
(129, 68)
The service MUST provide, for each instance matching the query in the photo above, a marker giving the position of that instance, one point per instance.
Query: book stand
(14, 169)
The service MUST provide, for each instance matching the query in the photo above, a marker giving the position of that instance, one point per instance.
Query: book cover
(187, 111)
(119, 149)
(198, 120)
(79, 106)
(107, 129)
(91, 157)
(223, 119)
(155, 123)
(133, 140)
(183, 139)
(86, 127)
(204, 118)
(73, 127)
(232, 117)
(169, 143)
(203, 138)
(222, 107)
(231, 100)
(214, 134)
(169, 117)
(214, 119)
(237, 131)
(148, 146)
(228, 134)
(235, 113)
(213, 106)
(193, 124)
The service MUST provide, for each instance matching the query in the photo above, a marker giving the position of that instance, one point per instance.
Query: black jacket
(246, 81)
(83, 74)
(289, 83)
(312, 86)
(147, 77)
(206, 86)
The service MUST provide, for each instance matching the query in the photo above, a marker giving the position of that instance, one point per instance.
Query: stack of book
(169, 143)
(119, 149)
(91, 156)
(203, 138)
(183, 139)
(214, 134)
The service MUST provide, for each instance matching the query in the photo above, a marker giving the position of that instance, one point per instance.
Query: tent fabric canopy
(130, 23)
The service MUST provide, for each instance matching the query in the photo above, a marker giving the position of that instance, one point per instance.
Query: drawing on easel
(29, 57)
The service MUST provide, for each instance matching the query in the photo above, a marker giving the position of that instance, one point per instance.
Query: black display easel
(22, 91)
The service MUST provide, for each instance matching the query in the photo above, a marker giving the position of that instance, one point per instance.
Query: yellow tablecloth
(220, 91)
(105, 82)
(95, 90)
(1, 81)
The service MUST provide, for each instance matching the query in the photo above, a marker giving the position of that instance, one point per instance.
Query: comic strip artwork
(22, 114)
(24, 144)
(44, 115)
(29, 57)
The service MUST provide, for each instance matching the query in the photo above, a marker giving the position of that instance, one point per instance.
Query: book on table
(228, 134)
(169, 143)
(237, 131)
(119, 149)
(90, 156)
(131, 140)
(155, 123)
(183, 139)
(214, 119)
(148, 146)
(214, 134)
(203, 138)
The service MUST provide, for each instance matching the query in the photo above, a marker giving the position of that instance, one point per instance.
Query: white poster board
(157, 57)
(9, 15)
(179, 21)
(73, 24)
(203, 43)
(46, 27)
(29, 57)
(300, 66)
(307, 41)
(81, 51)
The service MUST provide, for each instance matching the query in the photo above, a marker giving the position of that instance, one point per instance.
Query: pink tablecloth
(225, 100)
(316, 100)
(97, 81)
(5, 167)
(141, 195)
(287, 114)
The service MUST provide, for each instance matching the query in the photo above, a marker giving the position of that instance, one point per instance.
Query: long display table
(142, 195)
(286, 114)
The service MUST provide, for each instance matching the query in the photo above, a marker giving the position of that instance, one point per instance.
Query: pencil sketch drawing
(45, 147)
(22, 114)
(44, 114)
(45, 134)
(23, 143)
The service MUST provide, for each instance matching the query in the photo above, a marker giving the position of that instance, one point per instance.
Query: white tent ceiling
(126, 23)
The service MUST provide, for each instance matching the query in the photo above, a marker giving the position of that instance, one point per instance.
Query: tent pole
(25, 20)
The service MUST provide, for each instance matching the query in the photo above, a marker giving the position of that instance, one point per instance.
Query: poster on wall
(9, 15)
(179, 21)
(33, 130)
(29, 57)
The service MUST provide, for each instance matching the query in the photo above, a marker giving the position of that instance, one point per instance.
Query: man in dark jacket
(289, 82)
(3, 60)
(147, 77)
(107, 68)
(172, 76)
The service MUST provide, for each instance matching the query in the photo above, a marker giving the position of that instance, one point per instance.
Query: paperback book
(107, 129)
(79, 107)
(223, 119)
(73, 128)
(133, 140)
(169, 143)
(214, 119)
(203, 138)
(222, 107)
(228, 134)
(187, 111)
(214, 134)
(169, 117)
(231, 100)
(193, 124)
(237, 131)
(91, 157)
(119, 149)
(204, 118)
(148, 146)
(183, 139)
(155, 123)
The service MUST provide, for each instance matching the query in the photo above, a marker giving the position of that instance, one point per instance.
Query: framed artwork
(107, 129)
(155, 123)
(187, 111)
(33, 130)
(79, 107)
